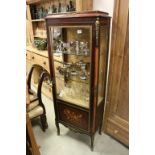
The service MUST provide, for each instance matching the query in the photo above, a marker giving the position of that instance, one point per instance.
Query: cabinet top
(78, 14)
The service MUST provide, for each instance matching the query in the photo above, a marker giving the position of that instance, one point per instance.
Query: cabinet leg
(58, 128)
(100, 129)
(92, 142)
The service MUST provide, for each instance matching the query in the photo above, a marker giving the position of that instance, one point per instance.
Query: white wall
(104, 5)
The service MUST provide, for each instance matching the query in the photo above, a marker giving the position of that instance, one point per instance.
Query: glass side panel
(102, 62)
(71, 49)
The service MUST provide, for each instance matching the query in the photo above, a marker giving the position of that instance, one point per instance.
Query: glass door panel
(102, 63)
(71, 49)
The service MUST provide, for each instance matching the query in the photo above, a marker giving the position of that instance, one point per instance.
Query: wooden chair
(36, 107)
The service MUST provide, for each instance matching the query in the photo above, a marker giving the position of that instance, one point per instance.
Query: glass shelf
(71, 53)
(67, 63)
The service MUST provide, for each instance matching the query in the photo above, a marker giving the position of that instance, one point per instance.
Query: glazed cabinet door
(71, 48)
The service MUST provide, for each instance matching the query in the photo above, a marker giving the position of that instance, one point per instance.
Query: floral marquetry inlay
(72, 116)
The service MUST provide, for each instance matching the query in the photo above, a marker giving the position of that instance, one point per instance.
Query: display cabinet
(78, 56)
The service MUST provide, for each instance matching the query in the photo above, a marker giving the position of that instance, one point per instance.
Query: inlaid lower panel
(73, 116)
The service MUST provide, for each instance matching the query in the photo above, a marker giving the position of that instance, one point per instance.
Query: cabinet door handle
(44, 62)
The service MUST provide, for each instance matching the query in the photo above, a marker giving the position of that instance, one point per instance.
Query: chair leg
(44, 123)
